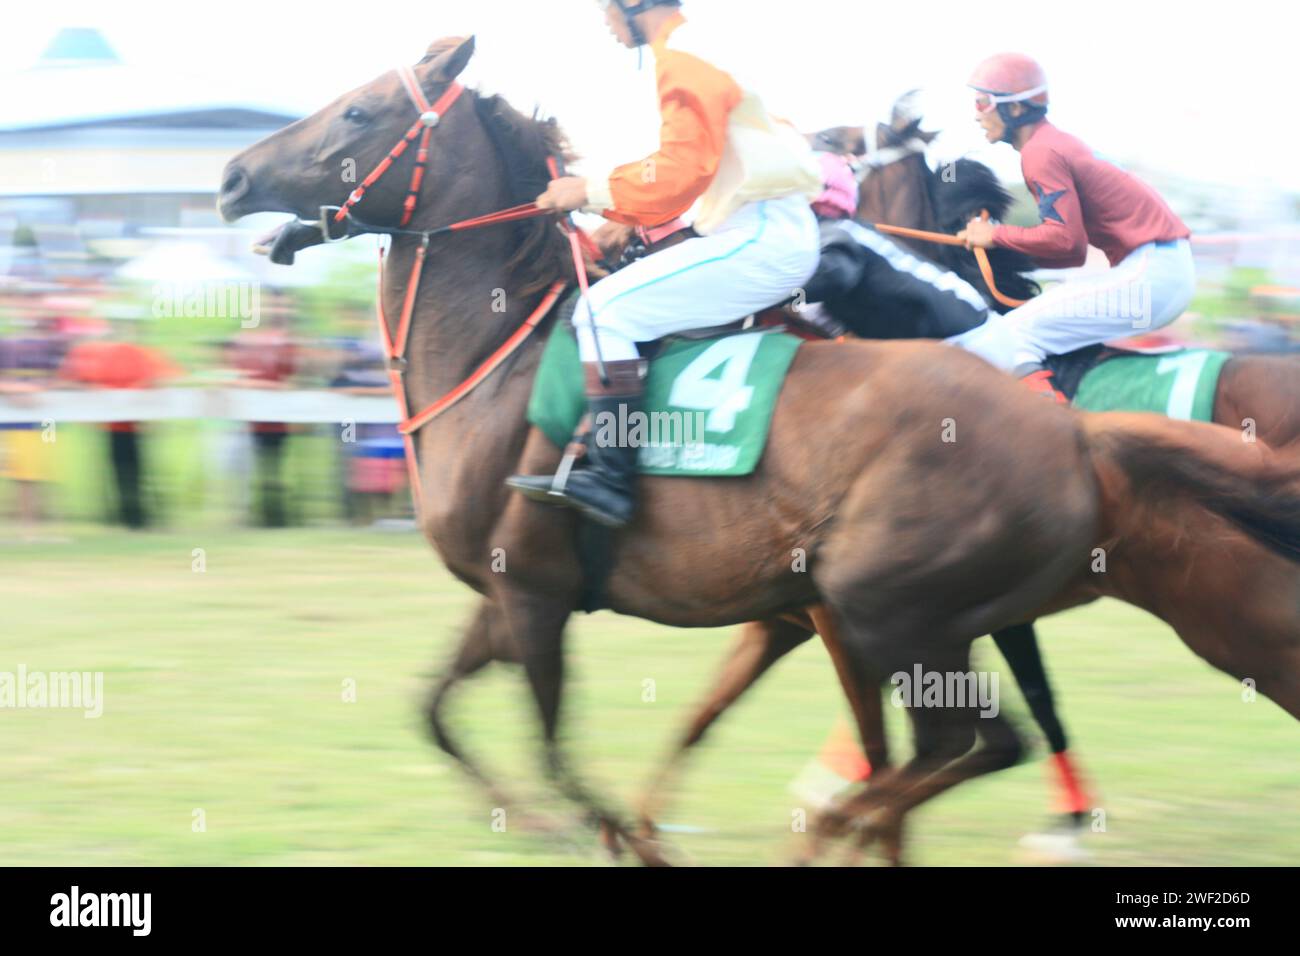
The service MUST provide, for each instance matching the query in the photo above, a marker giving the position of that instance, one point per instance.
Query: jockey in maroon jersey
(1082, 200)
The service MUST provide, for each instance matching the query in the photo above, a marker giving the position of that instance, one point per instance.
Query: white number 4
(725, 396)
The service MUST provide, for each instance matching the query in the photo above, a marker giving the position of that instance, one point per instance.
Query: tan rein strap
(981, 256)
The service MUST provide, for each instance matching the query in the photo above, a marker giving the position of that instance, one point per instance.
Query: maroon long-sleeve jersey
(1084, 200)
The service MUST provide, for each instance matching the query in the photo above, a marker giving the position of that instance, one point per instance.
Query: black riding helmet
(630, 11)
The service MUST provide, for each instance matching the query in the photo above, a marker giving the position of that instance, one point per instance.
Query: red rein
(395, 344)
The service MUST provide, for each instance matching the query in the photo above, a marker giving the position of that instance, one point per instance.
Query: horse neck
(455, 327)
(899, 195)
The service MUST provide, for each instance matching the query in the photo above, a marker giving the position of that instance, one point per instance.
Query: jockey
(756, 245)
(840, 194)
(1082, 200)
(874, 286)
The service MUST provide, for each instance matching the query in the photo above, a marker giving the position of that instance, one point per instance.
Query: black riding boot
(599, 484)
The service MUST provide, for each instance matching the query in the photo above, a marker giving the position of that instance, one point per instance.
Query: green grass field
(224, 693)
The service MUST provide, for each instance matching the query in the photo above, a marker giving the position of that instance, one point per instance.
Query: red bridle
(422, 127)
(395, 343)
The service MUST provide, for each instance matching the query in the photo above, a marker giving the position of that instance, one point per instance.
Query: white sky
(1195, 89)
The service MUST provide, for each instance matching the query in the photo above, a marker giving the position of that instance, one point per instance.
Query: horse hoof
(1057, 848)
(610, 842)
(647, 851)
(653, 858)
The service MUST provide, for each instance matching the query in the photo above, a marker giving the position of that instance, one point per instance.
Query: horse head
(898, 187)
(482, 156)
(318, 160)
(893, 174)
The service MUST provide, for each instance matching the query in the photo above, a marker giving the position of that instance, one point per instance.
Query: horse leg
(917, 595)
(933, 747)
(537, 624)
(938, 739)
(760, 645)
(1000, 748)
(1019, 645)
(945, 756)
(861, 685)
(482, 643)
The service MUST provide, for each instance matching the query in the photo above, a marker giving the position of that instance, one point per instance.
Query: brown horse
(916, 544)
(1257, 394)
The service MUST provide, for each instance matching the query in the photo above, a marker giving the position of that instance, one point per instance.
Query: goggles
(986, 101)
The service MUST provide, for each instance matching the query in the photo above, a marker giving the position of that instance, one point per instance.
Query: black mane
(961, 190)
(523, 144)
(959, 193)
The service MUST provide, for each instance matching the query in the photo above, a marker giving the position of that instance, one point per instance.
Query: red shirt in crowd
(116, 365)
(266, 356)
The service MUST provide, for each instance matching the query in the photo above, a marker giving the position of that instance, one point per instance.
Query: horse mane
(523, 144)
(967, 187)
(959, 193)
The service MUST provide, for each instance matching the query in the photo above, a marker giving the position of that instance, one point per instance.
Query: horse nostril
(235, 185)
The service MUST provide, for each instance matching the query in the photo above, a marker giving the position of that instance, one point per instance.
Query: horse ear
(857, 141)
(448, 57)
(906, 111)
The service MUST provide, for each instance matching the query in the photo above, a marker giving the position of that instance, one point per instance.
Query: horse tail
(1246, 483)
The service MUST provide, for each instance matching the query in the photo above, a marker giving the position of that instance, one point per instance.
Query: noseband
(879, 157)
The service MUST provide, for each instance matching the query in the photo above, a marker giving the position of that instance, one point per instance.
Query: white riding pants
(762, 254)
(1146, 291)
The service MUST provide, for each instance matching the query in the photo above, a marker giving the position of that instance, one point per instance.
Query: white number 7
(1187, 368)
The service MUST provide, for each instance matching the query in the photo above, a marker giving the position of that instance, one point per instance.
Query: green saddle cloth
(708, 402)
(1178, 384)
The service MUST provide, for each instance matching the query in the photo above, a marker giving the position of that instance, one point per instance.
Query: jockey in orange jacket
(750, 180)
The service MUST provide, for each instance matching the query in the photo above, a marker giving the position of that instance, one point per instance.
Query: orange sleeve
(695, 104)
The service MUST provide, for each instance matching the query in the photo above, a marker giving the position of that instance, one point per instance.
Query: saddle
(1068, 370)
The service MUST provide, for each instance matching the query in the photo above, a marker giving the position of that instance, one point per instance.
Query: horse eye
(355, 115)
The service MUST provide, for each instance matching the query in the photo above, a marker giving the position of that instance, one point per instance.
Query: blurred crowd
(73, 338)
(94, 332)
